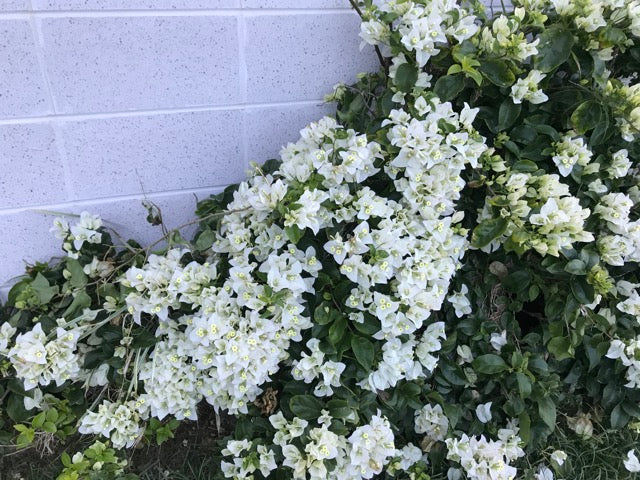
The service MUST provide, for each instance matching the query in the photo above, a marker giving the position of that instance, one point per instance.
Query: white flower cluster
(416, 241)
(6, 335)
(627, 118)
(460, 302)
(163, 283)
(622, 243)
(74, 236)
(38, 360)
(627, 352)
(244, 467)
(484, 459)
(430, 343)
(620, 164)
(239, 332)
(311, 367)
(173, 383)
(570, 151)
(505, 38)
(432, 422)
(527, 88)
(119, 421)
(422, 26)
(323, 454)
(592, 15)
(542, 214)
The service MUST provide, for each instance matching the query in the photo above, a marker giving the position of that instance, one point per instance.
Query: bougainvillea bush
(433, 282)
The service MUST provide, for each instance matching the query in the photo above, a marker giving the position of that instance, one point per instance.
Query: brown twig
(193, 222)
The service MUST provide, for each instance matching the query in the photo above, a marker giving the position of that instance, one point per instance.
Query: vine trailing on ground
(441, 280)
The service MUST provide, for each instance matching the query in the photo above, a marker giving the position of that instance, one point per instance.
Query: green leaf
(525, 427)
(81, 300)
(497, 72)
(582, 291)
(525, 166)
(322, 315)
(489, 364)
(78, 277)
(306, 407)
(508, 114)
(576, 267)
(339, 408)
(363, 350)
(386, 103)
(39, 420)
(448, 87)
(619, 418)
(25, 438)
(294, 233)
(517, 281)
(560, 347)
(45, 292)
(524, 134)
(49, 427)
(143, 338)
(336, 331)
(554, 48)
(547, 411)
(15, 408)
(488, 230)
(587, 116)
(406, 77)
(603, 131)
(205, 239)
(524, 384)
(52, 415)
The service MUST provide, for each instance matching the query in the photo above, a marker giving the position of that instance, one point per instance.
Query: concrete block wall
(104, 102)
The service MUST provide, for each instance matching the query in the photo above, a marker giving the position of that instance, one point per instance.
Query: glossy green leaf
(448, 87)
(554, 48)
(363, 350)
(488, 230)
(498, 72)
(489, 364)
(306, 407)
(406, 77)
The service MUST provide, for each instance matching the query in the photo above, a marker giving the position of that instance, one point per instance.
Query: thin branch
(193, 222)
(381, 58)
(355, 6)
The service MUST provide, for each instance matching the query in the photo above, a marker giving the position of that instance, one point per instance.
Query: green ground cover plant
(440, 281)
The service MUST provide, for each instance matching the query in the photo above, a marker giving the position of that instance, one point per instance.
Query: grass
(598, 458)
(189, 456)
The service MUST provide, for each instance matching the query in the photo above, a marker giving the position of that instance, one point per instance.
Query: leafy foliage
(447, 269)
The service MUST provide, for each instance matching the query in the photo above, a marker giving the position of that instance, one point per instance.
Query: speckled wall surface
(105, 101)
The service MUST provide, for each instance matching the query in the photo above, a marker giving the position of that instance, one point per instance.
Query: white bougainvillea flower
(460, 302)
(483, 412)
(559, 456)
(544, 473)
(631, 463)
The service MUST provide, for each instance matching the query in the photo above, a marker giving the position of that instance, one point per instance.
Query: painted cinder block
(132, 4)
(153, 153)
(25, 239)
(29, 239)
(295, 3)
(270, 128)
(301, 57)
(32, 170)
(14, 5)
(22, 87)
(107, 64)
